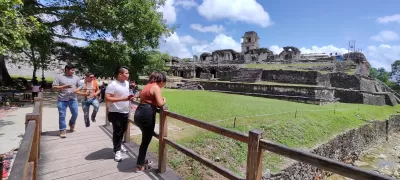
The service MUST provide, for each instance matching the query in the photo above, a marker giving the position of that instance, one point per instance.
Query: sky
(312, 26)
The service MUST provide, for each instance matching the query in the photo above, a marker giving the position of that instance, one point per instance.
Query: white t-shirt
(118, 89)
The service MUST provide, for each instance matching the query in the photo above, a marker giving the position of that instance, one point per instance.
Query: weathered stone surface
(247, 75)
(291, 77)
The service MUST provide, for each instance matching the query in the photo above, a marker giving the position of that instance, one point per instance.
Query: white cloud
(389, 19)
(276, 49)
(221, 41)
(187, 39)
(385, 36)
(187, 4)
(323, 49)
(248, 11)
(383, 55)
(173, 46)
(314, 49)
(169, 11)
(213, 28)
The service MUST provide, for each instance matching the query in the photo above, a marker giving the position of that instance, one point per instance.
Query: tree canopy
(14, 26)
(117, 32)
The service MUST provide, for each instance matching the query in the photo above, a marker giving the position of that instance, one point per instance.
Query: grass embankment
(277, 119)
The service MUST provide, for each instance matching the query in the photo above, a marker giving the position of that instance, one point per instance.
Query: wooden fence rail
(256, 146)
(26, 161)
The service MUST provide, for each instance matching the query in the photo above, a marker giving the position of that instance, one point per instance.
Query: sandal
(148, 162)
(143, 168)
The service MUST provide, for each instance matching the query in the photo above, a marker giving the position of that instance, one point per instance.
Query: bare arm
(111, 98)
(79, 92)
(61, 87)
(157, 93)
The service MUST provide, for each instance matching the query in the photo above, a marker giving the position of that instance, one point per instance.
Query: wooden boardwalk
(87, 154)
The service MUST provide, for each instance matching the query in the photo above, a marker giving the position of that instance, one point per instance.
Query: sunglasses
(91, 77)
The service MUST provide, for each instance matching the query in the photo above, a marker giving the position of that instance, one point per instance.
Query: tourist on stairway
(67, 85)
(118, 97)
(91, 87)
(145, 115)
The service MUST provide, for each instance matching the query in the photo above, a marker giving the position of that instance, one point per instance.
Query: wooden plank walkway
(87, 154)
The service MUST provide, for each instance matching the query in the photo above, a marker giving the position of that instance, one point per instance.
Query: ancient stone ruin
(312, 78)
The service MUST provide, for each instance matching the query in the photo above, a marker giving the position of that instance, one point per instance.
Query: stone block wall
(351, 142)
(226, 75)
(300, 91)
(247, 75)
(367, 85)
(289, 76)
(351, 96)
(205, 76)
(342, 80)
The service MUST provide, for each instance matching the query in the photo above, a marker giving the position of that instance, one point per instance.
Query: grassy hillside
(277, 119)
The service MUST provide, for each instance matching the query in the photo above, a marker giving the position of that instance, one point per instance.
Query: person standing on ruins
(118, 97)
(91, 87)
(145, 115)
(67, 85)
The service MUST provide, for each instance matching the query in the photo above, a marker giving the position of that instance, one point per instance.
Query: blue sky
(313, 26)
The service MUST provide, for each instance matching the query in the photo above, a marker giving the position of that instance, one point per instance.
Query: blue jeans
(62, 108)
(86, 108)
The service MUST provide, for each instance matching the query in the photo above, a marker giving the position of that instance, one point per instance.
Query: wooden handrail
(322, 162)
(202, 124)
(221, 170)
(256, 145)
(26, 161)
(20, 166)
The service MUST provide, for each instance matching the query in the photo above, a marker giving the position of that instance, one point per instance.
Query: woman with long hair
(145, 115)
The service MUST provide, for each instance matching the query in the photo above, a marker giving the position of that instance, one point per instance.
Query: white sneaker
(118, 156)
(123, 148)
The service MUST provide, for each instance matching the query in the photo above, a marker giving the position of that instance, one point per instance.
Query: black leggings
(145, 119)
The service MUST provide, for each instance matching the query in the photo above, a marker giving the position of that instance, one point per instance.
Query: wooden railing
(256, 146)
(26, 161)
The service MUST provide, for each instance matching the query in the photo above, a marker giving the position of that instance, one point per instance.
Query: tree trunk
(33, 59)
(5, 78)
(34, 72)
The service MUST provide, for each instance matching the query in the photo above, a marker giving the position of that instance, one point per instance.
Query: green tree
(396, 71)
(380, 74)
(135, 24)
(155, 61)
(102, 58)
(14, 29)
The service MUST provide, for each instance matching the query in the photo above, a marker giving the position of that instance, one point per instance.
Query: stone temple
(312, 78)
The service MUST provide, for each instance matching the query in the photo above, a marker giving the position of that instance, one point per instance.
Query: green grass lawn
(278, 120)
(48, 79)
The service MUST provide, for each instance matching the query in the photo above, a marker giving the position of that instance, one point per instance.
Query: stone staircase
(247, 75)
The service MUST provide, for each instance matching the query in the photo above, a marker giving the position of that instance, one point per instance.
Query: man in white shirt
(118, 97)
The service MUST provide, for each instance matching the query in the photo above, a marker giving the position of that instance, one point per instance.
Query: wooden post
(234, 123)
(254, 156)
(162, 147)
(34, 153)
(127, 137)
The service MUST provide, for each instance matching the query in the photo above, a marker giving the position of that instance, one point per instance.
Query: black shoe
(93, 119)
